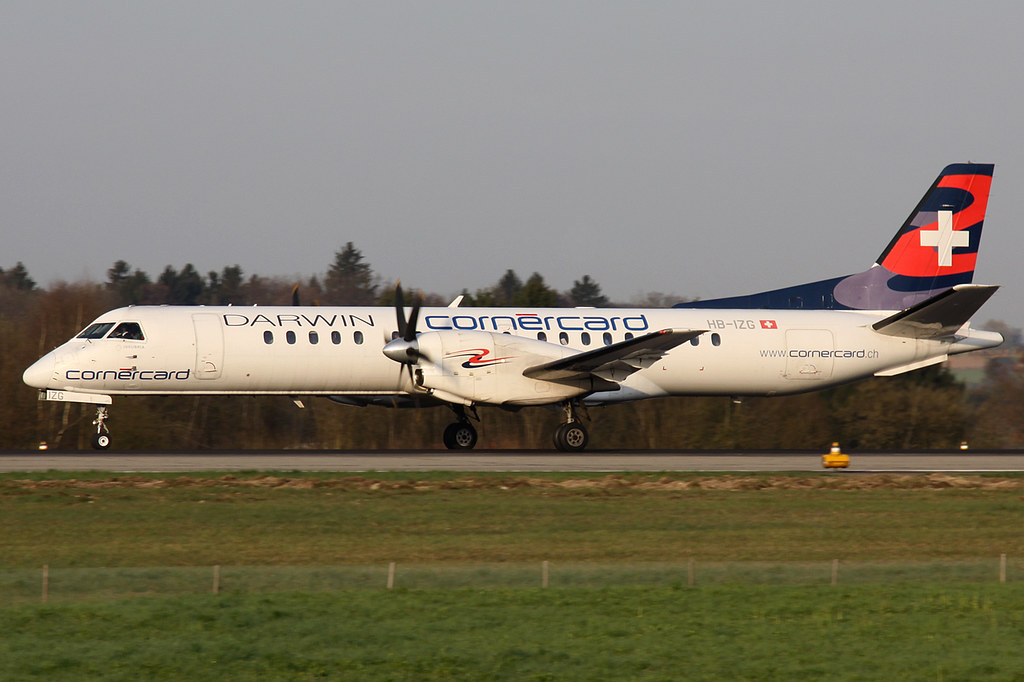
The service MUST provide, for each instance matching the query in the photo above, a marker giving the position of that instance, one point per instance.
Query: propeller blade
(400, 309)
(410, 330)
(295, 295)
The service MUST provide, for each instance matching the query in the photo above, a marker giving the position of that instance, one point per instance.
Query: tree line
(349, 280)
(928, 408)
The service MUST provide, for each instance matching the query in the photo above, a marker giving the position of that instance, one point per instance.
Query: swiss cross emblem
(769, 324)
(944, 238)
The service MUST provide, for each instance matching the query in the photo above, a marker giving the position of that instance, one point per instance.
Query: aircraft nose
(40, 373)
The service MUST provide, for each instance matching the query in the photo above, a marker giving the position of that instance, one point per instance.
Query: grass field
(249, 519)
(445, 621)
(916, 632)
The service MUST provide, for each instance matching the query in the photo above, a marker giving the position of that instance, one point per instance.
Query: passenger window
(695, 341)
(268, 337)
(128, 330)
(96, 331)
(290, 337)
(716, 340)
(358, 337)
(563, 338)
(585, 338)
(607, 338)
(629, 335)
(541, 336)
(314, 338)
(336, 338)
(394, 335)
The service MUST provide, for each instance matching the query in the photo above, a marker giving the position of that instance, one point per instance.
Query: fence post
(216, 579)
(46, 582)
(391, 575)
(1002, 568)
(690, 577)
(835, 571)
(544, 573)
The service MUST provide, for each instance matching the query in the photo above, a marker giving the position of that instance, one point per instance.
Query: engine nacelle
(487, 367)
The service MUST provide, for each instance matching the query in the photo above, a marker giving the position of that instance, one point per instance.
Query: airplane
(909, 310)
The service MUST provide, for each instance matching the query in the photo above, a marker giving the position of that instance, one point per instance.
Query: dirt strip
(936, 481)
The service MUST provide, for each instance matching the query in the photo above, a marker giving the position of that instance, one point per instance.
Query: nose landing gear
(101, 439)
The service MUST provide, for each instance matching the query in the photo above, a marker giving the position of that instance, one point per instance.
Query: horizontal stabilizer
(940, 315)
(627, 356)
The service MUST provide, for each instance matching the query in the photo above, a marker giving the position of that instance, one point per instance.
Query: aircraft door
(209, 345)
(809, 354)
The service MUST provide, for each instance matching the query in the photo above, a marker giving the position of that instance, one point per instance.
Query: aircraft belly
(310, 372)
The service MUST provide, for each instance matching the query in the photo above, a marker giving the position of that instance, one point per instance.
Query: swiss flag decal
(769, 324)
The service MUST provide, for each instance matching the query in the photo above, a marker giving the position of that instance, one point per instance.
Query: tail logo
(944, 238)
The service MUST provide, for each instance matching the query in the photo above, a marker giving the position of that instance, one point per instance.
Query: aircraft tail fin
(934, 250)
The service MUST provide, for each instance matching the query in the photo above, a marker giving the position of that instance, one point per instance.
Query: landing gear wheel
(571, 437)
(460, 436)
(101, 439)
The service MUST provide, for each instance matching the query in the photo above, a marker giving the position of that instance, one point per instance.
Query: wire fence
(81, 584)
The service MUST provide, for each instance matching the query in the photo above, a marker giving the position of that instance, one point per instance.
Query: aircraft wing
(616, 361)
(939, 315)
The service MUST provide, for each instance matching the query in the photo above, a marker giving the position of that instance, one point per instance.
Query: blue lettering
(494, 321)
(563, 325)
(445, 322)
(639, 326)
(530, 322)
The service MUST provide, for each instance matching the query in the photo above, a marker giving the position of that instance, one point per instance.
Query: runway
(511, 461)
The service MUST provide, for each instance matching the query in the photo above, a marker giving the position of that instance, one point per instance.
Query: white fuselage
(337, 351)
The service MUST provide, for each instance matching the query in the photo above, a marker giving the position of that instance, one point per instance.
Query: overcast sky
(703, 149)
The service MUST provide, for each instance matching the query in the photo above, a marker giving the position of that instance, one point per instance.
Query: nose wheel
(101, 439)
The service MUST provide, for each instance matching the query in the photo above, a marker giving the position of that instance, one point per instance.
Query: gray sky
(704, 149)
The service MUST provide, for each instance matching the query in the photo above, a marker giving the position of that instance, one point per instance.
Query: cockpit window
(128, 330)
(96, 331)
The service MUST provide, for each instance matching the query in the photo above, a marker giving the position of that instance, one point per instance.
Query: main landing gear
(571, 436)
(101, 439)
(460, 435)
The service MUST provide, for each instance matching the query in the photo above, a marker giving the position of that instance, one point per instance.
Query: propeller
(405, 349)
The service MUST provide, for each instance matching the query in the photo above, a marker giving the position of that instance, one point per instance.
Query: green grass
(304, 563)
(951, 632)
(457, 518)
